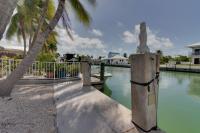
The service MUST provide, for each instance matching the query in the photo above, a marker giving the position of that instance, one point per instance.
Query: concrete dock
(84, 109)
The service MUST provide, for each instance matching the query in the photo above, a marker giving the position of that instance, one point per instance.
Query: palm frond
(93, 2)
(80, 12)
(13, 27)
(67, 23)
(50, 9)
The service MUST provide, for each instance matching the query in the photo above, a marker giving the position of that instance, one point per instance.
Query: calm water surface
(179, 98)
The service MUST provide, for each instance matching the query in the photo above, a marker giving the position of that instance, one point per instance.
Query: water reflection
(178, 111)
(194, 86)
(193, 80)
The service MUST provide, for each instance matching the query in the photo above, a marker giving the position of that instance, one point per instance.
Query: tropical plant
(125, 55)
(7, 8)
(46, 57)
(40, 37)
(160, 52)
(73, 69)
(50, 46)
(182, 58)
(25, 21)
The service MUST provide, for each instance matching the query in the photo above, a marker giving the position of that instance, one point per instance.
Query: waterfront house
(112, 54)
(195, 55)
(10, 52)
(68, 57)
(116, 60)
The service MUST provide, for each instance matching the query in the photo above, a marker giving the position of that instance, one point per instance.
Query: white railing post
(86, 71)
(54, 70)
(2, 68)
(9, 66)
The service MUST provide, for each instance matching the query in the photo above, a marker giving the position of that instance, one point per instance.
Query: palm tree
(25, 20)
(50, 46)
(160, 52)
(40, 38)
(6, 10)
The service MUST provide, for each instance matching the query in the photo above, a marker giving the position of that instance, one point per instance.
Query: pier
(85, 109)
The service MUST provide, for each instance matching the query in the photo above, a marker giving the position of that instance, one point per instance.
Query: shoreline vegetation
(166, 67)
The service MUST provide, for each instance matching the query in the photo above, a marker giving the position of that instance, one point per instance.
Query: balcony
(196, 53)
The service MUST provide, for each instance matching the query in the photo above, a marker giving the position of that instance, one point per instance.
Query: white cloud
(81, 45)
(97, 32)
(129, 37)
(13, 43)
(154, 41)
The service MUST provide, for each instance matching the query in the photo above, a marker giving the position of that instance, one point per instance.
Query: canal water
(179, 98)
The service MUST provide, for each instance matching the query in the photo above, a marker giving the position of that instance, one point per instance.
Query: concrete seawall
(190, 70)
(84, 109)
(163, 68)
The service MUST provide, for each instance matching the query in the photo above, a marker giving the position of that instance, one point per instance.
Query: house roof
(118, 57)
(195, 45)
(1, 48)
(113, 53)
(14, 51)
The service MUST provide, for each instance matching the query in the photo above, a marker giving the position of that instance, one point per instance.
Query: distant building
(195, 53)
(112, 54)
(10, 52)
(1, 48)
(116, 60)
(68, 57)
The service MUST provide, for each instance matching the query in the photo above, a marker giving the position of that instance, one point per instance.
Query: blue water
(179, 98)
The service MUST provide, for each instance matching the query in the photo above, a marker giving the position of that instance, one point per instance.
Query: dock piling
(86, 71)
(144, 90)
(102, 70)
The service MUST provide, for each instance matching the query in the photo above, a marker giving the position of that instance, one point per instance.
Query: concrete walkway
(30, 109)
(86, 110)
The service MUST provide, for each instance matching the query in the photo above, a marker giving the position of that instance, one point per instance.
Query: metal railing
(181, 67)
(42, 70)
(196, 53)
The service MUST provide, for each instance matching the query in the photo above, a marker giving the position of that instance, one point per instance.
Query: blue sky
(176, 20)
(172, 24)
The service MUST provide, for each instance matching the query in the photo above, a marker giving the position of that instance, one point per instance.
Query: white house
(195, 53)
(116, 60)
(112, 54)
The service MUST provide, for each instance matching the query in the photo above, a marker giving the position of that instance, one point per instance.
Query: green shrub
(46, 57)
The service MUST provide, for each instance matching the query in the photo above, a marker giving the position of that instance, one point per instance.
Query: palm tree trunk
(12, 79)
(23, 35)
(40, 23)
(24, 54)
(31, 36)
(6, 10)
(30, 40)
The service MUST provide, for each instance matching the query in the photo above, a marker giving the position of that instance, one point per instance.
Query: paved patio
(86, 110)
(64, 108)
(30, 109)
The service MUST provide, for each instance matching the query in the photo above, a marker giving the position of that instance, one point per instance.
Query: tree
(160, 52)
(39, 39)
(125, 55)
(25, 20)
(182, 58)
(6, 10)
(50, 46)
(165, 59)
